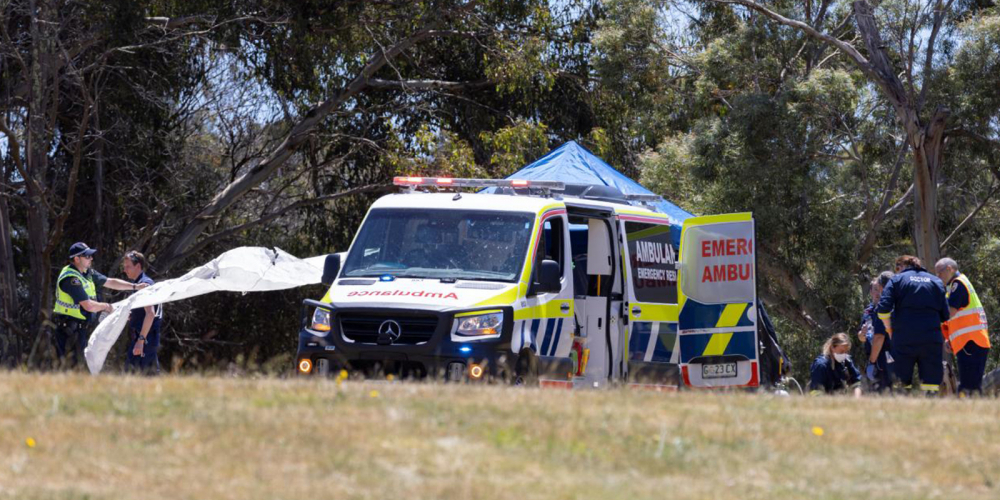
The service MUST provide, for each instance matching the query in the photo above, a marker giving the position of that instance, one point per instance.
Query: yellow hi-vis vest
(969, 323)
(64, 302)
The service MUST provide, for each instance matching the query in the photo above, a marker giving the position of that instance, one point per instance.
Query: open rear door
(717, 323)
(650, 259)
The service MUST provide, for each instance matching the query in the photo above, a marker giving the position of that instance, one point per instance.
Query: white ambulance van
(538, 283)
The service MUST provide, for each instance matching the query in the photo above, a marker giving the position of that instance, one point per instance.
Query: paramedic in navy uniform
(833, 371)
(913, 307)
(143, 323)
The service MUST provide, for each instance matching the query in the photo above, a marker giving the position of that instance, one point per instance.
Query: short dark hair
(137, 258)
(907, 261)
(885, 277)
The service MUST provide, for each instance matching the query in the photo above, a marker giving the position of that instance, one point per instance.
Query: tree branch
(208, 240)
(427, 84)
(299, 133)
(939, 15)
(968, 218)
(15, 153)
(902, 200)
(867, 244)
(808, 309)
(74, 174)
(847, 48)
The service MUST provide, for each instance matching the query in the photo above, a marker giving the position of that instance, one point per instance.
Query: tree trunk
(925, 141)
(925, 219)
(99, 181)
(927, 147)
(10, 341)
(38, 142)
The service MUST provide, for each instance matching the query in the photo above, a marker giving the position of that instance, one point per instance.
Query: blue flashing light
(465, 349)
(387, 277)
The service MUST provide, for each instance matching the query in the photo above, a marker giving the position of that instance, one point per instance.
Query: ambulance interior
(597, 292)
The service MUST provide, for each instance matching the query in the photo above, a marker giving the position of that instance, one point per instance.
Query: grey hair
(885, 278)
(946, 262)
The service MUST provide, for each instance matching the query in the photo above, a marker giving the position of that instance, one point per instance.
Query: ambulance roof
(500, 202)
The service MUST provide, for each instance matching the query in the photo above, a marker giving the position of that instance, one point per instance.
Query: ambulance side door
(650, 262)
(546, 320)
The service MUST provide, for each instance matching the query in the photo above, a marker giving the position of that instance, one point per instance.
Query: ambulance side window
(652, 262)
(550, 246)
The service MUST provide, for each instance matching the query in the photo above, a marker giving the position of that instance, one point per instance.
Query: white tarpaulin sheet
(244, 269)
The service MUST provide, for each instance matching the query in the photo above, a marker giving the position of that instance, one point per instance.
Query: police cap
(80, 248)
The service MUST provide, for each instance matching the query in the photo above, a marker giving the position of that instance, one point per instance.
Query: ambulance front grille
(363, 328)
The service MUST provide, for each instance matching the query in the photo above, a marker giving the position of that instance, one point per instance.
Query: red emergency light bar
(477, 183)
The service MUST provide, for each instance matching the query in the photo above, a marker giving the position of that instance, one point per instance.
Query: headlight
(320, 322)
(482, 325)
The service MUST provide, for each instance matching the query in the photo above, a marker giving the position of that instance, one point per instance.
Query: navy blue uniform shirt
(917, 302)
(959, 295)
(877, 328)
(830, 376)
(74, 288)
(137, 316)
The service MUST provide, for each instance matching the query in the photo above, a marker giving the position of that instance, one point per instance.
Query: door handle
(564, 307)
(636, 311)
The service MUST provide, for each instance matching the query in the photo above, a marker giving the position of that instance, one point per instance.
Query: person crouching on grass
(833, 371)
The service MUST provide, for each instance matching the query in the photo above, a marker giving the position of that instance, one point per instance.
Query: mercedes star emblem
(389, 330)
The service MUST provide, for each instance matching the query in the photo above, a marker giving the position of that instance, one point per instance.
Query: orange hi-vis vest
(969, 323)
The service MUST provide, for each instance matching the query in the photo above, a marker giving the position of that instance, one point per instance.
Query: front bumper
(432, 352)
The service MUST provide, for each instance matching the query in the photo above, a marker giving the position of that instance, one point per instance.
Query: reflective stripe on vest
(64, 301)
(969, 323)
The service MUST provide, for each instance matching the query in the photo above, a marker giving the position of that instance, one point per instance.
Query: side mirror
(548, 278)
(331, 268)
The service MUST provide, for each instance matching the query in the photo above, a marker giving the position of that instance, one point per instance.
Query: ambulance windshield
(441, 244)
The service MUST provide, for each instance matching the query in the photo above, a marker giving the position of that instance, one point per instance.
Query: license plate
(721, 370)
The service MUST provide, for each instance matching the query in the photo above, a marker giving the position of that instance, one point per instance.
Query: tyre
(991, 383)
(526, 369)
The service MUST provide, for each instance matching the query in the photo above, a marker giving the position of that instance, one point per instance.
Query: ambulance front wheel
(526, 369)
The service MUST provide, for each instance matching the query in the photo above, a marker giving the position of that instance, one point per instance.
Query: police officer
(76, 302)
(144, 323)
(913, 307)
(833, 371)
(966, 331)
(877, 344)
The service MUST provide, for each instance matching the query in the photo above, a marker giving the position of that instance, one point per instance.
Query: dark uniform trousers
(928, 357)
(148, 363)
(971, 366)
(70, 337)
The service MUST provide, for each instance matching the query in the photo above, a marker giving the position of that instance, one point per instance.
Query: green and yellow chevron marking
(717, 344)
(731, 315)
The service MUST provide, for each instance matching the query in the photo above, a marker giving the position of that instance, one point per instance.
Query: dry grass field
(110, 437)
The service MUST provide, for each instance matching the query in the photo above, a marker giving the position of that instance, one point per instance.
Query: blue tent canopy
(574, 164)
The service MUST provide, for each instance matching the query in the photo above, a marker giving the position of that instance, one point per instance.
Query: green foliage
(718, 109)
(434, 153)
(515, 146)
(667, 171)
(976, 70)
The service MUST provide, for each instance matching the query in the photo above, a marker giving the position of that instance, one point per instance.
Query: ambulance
(537, 283)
